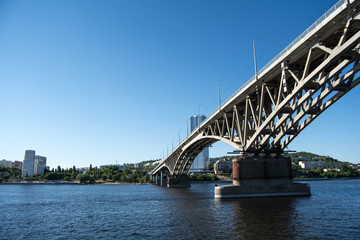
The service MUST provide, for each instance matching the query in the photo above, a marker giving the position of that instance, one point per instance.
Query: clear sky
(98, 82)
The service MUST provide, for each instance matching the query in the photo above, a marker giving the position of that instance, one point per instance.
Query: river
(154, 212)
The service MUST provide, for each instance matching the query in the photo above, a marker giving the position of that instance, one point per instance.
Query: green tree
(104, 177)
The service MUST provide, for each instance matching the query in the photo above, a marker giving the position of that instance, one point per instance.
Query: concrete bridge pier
(171, 182)
(157, 179)
(262, 177)
(163, 179)
(152, 178)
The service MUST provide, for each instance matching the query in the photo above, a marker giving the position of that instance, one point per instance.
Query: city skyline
(33, 165)
(99, 83)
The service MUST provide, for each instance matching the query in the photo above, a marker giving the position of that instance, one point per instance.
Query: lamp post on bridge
(256, 72)
(172, 144)
(255, 63)
(219, 92)
(179, 135)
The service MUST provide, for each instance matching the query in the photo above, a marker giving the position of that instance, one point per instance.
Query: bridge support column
(163, 179)
(178, 182)
(262, 177)
(153, 179)
(157, 179)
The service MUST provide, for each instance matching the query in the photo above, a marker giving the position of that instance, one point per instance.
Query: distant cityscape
(35, 165)
(31, 166)
(33, 169)
(304, 164)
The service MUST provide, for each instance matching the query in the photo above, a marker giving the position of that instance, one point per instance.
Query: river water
(154, 212)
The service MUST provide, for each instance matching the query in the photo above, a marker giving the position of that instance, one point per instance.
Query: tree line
(9, 174)
(93, 175)
(344, 170)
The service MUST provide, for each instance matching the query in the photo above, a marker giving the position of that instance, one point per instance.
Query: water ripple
(152, 212)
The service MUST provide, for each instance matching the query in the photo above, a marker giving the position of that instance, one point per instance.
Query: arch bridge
(292, 90)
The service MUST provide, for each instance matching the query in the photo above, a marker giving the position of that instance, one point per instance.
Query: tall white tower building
(200, 161)
(33, 164)
(28, 164)
(40, 164)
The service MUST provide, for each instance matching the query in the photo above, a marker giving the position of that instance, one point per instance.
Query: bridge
(264, 115)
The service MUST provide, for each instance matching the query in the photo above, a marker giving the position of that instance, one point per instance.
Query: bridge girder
(271, 110)
(281, 104)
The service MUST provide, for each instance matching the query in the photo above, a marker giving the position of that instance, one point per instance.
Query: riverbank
(323, 179)
(68, 183)
(39, 183)
(221, 179)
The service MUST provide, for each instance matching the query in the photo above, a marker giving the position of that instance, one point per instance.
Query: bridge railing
(287, 49)
(276, 58)
(283, 52)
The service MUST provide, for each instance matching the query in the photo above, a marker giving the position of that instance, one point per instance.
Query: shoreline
(324, 179)
(70, 183)
(192, 182)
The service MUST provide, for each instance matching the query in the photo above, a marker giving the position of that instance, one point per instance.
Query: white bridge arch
(292, 90)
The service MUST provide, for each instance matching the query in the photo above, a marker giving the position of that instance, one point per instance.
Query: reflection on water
(199, 215)
(265, 218)
(189, 215)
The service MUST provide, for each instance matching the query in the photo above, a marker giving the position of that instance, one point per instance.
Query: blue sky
(95, 82)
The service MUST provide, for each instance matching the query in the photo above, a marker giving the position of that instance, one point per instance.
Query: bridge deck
(288, 93)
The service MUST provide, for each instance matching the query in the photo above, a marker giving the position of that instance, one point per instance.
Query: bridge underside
(286, 99)
(290, 92)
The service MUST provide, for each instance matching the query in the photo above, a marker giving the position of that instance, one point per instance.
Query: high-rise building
(40, 164)
(33, 164)
(201, 160)
(28, 164)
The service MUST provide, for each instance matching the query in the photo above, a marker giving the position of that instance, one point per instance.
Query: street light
(256, 75)
(219, 92)
(179, 135)
(255, 63)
